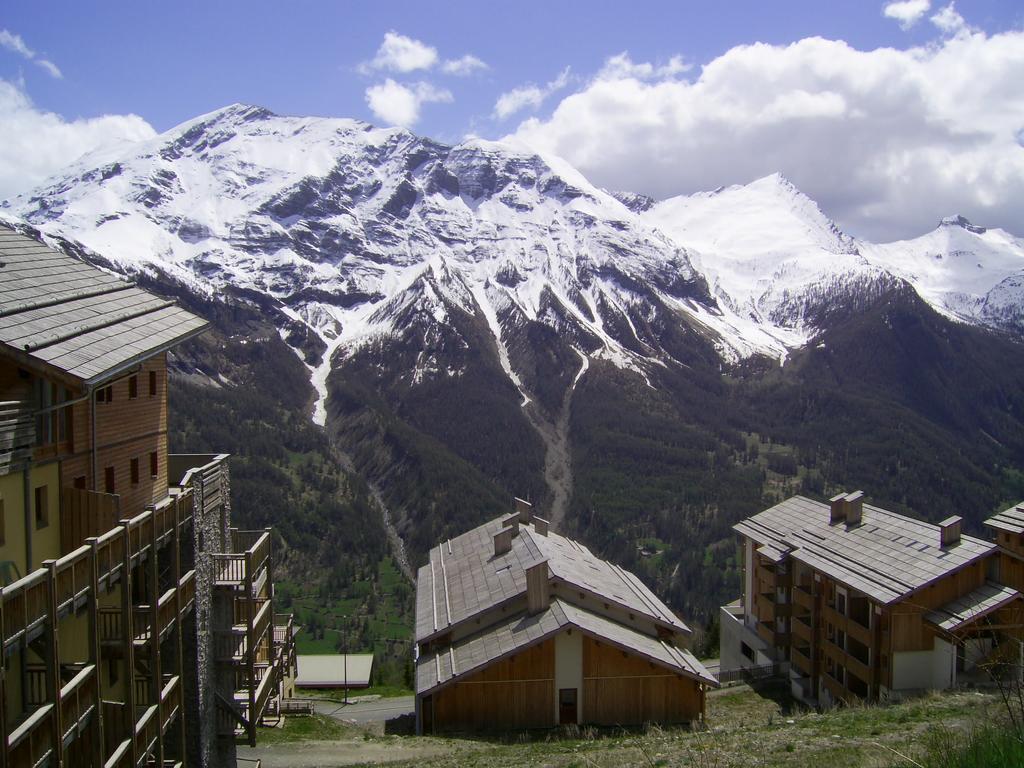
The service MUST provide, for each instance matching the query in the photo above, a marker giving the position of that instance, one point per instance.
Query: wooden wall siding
(126, 429)
(1011, 571)
(511, 694)
(621, 689)
(85, 513)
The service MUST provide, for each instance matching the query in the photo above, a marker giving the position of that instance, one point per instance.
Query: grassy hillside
(744, 728)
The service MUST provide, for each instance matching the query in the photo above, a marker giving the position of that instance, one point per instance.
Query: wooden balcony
(802, 630)
(32, 742)
(849, 626)
(837, 689)
(801, 660)
(17, 433)
(802, 597)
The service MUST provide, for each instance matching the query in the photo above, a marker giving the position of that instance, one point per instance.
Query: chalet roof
(1010, 520)
(886, 556)
(514, 634)
(464, 577)
(66, 316)
(329, 670)
(976, 604)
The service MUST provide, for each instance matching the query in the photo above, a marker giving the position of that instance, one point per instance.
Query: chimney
(538, 597)
(854, 507)
(512, 521)
(524, 509)
(949, 530)
(502, 541)
(837, 510)
(541, 526)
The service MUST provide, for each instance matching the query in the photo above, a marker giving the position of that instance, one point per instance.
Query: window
(135, 471)
(154, 465)
(79, 482)
(42, 507)
(108, 480)
(133, 387)
(105, 395)
(152, 383)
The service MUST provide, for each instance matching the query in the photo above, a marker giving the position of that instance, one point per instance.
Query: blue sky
(168, 62)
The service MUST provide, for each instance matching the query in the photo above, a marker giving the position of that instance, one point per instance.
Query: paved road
(363, 712)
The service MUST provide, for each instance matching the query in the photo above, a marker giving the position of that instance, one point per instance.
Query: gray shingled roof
(512, 635)
(58, 312)
(887, 556)
(572, 562)
(464, 578)
(976, 604)
(1010, 520)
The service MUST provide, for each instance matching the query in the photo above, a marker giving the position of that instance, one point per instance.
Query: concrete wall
(923, 670)
(569, 669)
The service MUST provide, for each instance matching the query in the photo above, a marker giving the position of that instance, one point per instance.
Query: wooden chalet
(137, 626)
(518, 627)
(855, 602)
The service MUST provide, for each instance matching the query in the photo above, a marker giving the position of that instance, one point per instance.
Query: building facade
(518, 627)
(137, 625)
(854, 602)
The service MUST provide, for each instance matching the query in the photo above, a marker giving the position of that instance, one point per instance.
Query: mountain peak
(963, 223)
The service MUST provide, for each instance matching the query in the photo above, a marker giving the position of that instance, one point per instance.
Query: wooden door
(567, 706)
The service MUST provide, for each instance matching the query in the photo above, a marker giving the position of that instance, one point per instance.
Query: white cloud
(466, 65)
(907, 12)
(398, 104)
(528, 96)
(399, 53)
(50, 68)
(36, 144)
(887, 141)
(13, 42)
(950, 22)
(621, 66)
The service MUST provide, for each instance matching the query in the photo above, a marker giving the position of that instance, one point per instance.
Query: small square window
(135, 471)
(133, 387)
(42, 507)
(108, 480)
(79, 482)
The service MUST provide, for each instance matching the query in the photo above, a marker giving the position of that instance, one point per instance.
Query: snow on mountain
(768, 253)
(357, 232)
(969, 273)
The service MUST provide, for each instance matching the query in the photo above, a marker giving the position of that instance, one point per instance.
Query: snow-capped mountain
(358, 232)
(969, 273)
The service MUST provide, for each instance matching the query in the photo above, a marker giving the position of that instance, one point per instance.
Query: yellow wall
(45, 541)
(12, 493)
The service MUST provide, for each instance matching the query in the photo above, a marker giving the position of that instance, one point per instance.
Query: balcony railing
(17, 433)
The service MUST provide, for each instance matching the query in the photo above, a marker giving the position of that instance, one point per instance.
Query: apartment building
(854, 602)
(137, 625)
(519, 627)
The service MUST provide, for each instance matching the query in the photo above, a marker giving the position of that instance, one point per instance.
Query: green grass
(307, 728)
(763, 728)
(986, 745)
(338, 694)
